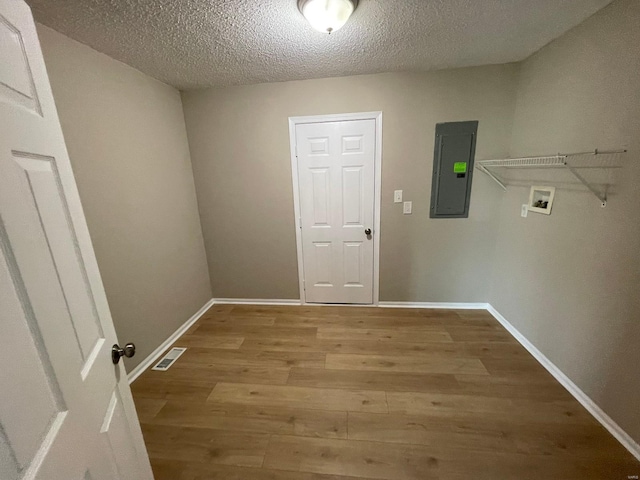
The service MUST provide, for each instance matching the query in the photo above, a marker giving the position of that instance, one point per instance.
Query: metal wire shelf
(560, 160)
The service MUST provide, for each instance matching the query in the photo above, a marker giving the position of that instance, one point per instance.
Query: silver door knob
(117, 352)
(367, 231)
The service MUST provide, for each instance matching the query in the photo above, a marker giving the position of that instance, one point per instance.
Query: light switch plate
(406, 208)
(525, 210)
(397, 196)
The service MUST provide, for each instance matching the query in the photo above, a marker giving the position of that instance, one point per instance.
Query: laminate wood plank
(218, 309)
(210, 374)
(466, 333)
(512, 386)
(550, 411)
(443, 313)
(284, 345)
(255, 419)
(476, 315)
(498, 350)
(204, 445)
(341, 311)
(526, 367)
(148, 386)
(484, 433)
(423, 430)
(226, 342)
(300, 397)
(372, 380)
(256, 331)
(335, 310)
(301, 310)
(351, 458)
(238, 320)
(436, 334)
(224, 472)
(290, 345)
(470, 406)
(413, 462)
(148, 408)
(364, 347)
(207, 356)
(410, 363)
(589, 440)
(464, 464)
(414, 403)
(472, 321)
(192, 328)
(353, 321)
(475, 318)
(350, 311)
(375, 347)
(168, 469)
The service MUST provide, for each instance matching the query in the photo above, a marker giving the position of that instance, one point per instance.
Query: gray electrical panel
(454, 152)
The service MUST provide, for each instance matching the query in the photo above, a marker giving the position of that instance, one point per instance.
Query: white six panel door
(336, 177)
(66, 411)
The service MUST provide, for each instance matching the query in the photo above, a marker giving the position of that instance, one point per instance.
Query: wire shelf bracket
(550, 161)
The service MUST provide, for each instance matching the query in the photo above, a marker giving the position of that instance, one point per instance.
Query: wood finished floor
(319, 393)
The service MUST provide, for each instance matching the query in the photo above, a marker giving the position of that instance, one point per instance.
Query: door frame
(377, 175)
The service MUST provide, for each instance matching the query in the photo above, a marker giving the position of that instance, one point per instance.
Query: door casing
(293, 122)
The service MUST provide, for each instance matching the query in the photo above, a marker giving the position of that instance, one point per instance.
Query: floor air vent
(169, 358)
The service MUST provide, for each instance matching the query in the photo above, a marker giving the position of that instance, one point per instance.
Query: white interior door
(66, 411)
(336, 178)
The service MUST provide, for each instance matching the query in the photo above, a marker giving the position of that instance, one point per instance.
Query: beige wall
(126, 138)
(239, 143)
(570, 282)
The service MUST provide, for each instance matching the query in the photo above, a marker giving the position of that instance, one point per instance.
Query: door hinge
(296, 149)
(304, 285)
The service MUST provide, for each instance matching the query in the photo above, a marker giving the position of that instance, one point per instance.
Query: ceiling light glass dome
(327, 16)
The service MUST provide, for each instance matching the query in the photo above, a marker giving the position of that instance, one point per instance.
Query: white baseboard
(254, 301)
(623, 437)
(264, 301)
(147, 362)
(443, 305)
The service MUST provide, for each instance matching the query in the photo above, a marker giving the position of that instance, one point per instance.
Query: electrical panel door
(454, 153)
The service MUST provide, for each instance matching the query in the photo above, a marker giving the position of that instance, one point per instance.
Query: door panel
(352, 144)
(17, 86)
(319, 147)
(353, 264)
(320, 269)
(17, 445)
(321, 206)
(336, 178)
(353, 203)
(43, 182)
(115, 433)
(65, 409)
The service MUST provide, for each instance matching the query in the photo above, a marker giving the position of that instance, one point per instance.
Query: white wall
(570, 282)
(128, 147)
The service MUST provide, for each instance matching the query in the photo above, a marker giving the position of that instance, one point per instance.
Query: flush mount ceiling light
(327, 16)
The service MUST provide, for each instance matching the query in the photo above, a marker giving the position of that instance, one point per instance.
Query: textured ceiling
(200, 43)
